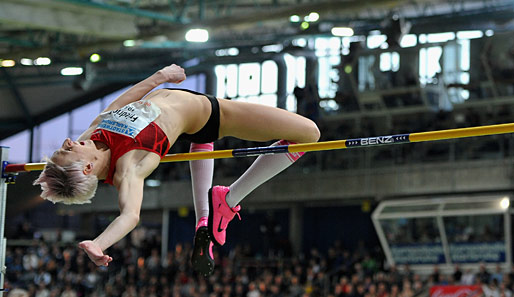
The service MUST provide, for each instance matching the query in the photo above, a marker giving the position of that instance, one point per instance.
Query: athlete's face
(72, 151)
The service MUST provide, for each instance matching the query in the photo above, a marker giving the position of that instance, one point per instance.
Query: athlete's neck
(102, 161)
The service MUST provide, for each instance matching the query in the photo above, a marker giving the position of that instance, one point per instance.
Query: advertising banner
(418, 254)
(492, 252)
(455, 291)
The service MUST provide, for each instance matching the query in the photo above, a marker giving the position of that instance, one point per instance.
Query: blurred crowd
(494, 283)
(44, 270)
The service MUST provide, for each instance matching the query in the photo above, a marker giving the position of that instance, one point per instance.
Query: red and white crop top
(131, 128)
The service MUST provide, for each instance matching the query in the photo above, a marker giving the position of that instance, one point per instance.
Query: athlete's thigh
(259, 122)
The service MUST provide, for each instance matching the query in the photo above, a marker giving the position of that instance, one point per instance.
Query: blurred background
(425, 219)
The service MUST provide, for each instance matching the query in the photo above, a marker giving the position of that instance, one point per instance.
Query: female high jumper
(126, 142)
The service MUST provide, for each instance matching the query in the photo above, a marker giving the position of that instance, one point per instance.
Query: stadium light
(342, 31)
(42, 61)
(68, 71)
(7, 63)
(94, 58)
(197, 35)
(312, 17)
(504, 203)
(26, 61)
(129, 43)
(294, 18)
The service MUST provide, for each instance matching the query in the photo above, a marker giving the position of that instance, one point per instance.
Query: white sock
(201, 179)
(264, 168)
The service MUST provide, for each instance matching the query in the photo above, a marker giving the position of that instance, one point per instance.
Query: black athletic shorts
(210, 131)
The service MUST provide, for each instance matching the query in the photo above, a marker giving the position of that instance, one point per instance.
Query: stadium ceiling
(69, 31)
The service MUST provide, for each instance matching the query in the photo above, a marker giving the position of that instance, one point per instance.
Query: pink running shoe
(220, 214)
(202, 258)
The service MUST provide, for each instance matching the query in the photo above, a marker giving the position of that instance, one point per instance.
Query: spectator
(436, 275)
(491, 289)
(42, 291)
(457, 274)
(504, 291)
(295, 289)
(382, 290)
(395, 291)
(394, 275)
(253, 291)
(468, 278)
(407, 289)
(42, 277)
(153, 262)
(498, 274)
(30, 260)
(69, 291)
(483, 275)
(18, 293)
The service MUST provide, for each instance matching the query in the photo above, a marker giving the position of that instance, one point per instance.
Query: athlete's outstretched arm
(129, 180)
(130, 199)
(172, 74)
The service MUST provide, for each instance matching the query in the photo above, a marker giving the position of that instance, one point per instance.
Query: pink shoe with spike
(202, 258)
(220, 214)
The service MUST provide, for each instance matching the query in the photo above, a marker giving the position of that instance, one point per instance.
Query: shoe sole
(211, 220)
(200, 259)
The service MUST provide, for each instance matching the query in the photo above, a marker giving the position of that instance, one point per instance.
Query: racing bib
(130, 119)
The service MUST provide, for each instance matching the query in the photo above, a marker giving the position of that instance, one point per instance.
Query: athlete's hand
(94, 252)
(173, 74)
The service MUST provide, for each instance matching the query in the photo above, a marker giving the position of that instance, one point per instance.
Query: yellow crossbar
(317, 146)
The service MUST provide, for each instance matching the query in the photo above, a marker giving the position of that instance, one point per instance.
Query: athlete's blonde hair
(67, 184)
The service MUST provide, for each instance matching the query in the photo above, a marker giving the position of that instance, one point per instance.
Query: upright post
(4, 179)
(165, 232)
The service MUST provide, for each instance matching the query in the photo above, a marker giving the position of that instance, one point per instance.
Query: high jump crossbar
(316, 146)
